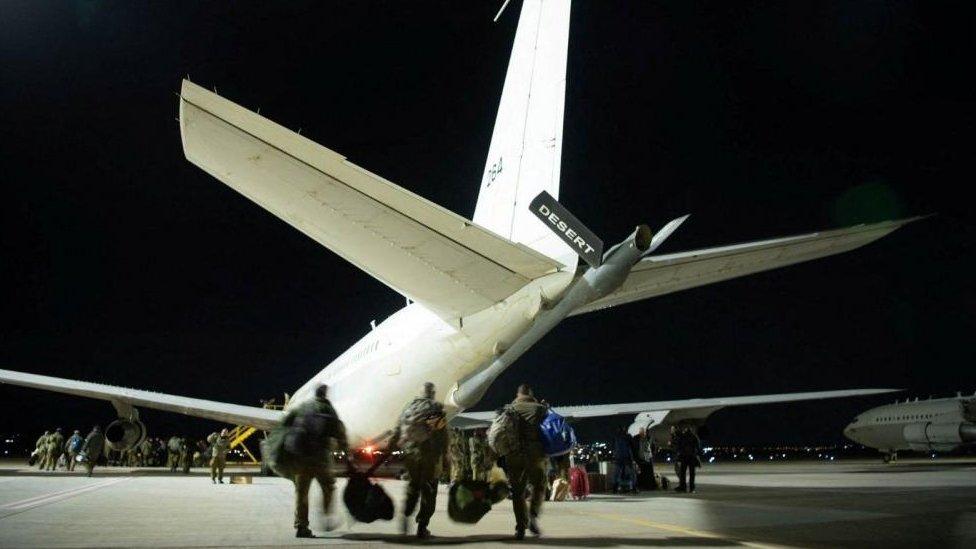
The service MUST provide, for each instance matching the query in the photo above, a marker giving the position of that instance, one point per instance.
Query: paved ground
(921, 503)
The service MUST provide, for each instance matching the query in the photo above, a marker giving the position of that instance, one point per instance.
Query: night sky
(123, 263)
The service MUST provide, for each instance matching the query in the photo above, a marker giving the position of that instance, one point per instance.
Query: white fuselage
(373, 380)
(923, 425)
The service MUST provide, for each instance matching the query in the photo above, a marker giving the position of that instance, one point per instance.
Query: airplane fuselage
(413, 346)
(928, 425)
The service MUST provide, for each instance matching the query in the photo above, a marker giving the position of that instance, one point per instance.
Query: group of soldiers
(426, 457)
(470, 456)
(176, 453)
(52, 448)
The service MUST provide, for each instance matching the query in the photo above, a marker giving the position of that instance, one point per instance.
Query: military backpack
(503, 435)
(421, 419)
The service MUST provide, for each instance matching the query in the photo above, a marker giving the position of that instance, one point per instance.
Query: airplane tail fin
(526, 146)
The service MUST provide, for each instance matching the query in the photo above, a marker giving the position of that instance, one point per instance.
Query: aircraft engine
(123, 434)
(925, 434)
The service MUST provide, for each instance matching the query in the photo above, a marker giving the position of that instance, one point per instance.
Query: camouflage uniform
(219, 445)
(93, 447)
(145, 453)
(41, 448)
(423, 462)
(173, 453)
(480, 457)
(527, 466)
(318, 468)
(460, 459)
(55, 442)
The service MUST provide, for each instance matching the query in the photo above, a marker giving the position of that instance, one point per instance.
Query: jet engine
(924, 435)
(123, 434)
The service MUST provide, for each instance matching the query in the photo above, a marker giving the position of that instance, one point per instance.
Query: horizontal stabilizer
(233, 414)
(663, 274)
(423, 251)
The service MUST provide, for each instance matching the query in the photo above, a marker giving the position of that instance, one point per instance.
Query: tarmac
(800, 504)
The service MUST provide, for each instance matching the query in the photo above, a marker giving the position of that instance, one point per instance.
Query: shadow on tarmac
(588, 541)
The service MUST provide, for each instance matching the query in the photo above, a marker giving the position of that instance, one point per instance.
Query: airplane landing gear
(890, 457)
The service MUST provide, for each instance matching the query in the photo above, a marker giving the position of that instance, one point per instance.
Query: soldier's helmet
(429, 389)
(322, 392)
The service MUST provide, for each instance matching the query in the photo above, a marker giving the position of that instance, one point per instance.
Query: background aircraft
(483, 291)
(933, 425)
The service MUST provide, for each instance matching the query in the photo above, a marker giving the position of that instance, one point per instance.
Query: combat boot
(304, 532)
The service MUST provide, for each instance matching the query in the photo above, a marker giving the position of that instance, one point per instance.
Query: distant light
(750, 457)
(711, 459)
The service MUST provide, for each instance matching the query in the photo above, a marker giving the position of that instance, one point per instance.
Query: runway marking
(674, 528)
(44, 499)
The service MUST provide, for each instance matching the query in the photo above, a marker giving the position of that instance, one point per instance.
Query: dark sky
(123, 263)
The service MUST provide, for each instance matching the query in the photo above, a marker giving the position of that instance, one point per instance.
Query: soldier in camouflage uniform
(527, 467)
(480, 456)
(55, 441)
(458, 452)
(423, 459)
(40, 449)
(316, 467)
(219, 445)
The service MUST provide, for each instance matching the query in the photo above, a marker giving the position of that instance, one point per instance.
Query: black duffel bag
(366, 500)
(469, 500)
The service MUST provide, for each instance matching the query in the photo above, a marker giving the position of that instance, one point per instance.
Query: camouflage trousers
(523, 472)
(303, 481)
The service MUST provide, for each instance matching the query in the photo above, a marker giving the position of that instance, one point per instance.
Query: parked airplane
(482, 291)
(933, 425)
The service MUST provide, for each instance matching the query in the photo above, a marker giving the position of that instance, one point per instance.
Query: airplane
(933, 425)
(480, 291)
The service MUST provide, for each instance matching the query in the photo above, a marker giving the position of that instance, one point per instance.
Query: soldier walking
(422, 435)
(73, 447)
(527, 466)
(219, 445)
(315, 462)
(93, 447)
(55, 442)
(40, 449)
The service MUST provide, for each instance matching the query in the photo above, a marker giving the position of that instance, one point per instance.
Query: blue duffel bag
(557, 435)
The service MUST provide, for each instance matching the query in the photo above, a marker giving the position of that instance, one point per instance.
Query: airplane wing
(690, 406)
(663, 274)
(423, 251)
(234, 414)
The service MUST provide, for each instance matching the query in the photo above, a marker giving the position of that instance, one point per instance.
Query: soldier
(480, 456)
(458, 453)
(94, 444)
(40, 449)
(422, 435)
(186, 455)
(173, 452)
(528, 465)
(145, 452)
(73, 448)
(315, 413)
(219, 445)
(688, 448)
(55, 442)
